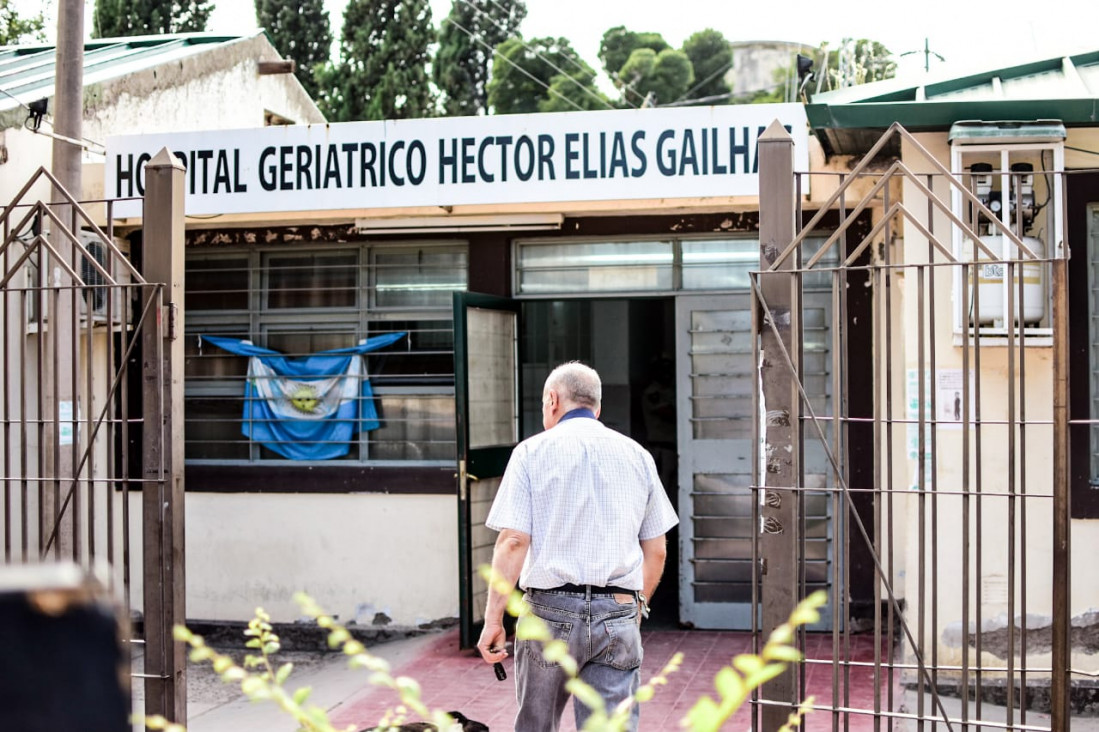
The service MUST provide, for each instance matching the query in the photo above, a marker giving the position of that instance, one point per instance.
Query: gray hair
(577, 383)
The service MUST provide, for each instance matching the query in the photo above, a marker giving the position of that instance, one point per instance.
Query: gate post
(162, 392)
(779, 529)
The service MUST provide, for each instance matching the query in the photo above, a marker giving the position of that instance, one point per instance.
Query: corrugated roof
(27, 72)
(1065, 88)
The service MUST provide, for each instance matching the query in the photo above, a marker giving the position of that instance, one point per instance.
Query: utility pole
(59, 409)
(927, 54)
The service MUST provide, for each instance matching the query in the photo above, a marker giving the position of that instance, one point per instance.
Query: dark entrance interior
(631, 343)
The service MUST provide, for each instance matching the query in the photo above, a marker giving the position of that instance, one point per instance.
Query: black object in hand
(501, 674)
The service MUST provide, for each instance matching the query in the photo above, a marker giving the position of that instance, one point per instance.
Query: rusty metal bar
(933, 362)
(1060, 679)
(967, 319)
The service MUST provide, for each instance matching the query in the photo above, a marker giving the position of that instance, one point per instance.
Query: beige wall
(357, 555)
(988, 530)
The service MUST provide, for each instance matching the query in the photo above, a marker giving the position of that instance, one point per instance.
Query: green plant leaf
(782, 635)
(704, 716)
(729, 683)
(766, 673)
(644, 694)
(254, 643)
(222, 664)
(283, 673)
(531, 627)
(588, 696)
(302, 694)
(252, 687)
(408, 684)
(234, 674)
(784, 653)
(748, 663)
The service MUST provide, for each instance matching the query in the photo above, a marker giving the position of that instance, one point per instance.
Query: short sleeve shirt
(587, 496)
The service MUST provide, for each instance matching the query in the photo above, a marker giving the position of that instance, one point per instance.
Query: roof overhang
(851, 129)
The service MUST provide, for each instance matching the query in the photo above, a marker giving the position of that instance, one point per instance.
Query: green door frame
(475, 463)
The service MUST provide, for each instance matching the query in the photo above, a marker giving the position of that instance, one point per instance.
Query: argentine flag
(307, 408)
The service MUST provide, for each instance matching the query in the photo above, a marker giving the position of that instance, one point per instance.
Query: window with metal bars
(301, 301)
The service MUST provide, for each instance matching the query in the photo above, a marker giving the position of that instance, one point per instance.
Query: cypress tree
(299, 29)
(382, 69)
(118, 18)
(467, 37)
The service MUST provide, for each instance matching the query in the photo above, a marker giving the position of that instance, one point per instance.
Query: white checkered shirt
(586, 495)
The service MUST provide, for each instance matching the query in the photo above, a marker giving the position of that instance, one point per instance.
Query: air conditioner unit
(103, 297)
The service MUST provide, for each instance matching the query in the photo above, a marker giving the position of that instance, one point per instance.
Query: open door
(486, 386)
(716, 449)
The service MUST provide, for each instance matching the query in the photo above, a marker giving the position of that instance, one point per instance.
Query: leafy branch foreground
(261, 679)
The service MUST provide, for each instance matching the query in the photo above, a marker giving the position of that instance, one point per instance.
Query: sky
(966, 34)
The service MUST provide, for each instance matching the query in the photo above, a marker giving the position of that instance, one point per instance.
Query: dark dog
(467, 725)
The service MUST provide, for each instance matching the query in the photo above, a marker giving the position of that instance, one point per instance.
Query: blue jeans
(602, 635)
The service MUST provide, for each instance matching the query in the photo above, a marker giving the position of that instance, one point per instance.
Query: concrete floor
(453, 679)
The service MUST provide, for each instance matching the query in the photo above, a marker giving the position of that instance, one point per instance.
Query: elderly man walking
(582, 517)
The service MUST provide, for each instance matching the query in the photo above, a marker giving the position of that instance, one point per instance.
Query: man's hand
(491, 644)
(507, 561)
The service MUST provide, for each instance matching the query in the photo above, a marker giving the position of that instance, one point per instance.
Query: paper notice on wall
(950, 392)
(943, 406)
(65, 428)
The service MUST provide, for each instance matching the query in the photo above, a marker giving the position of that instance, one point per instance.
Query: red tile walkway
(452, 679)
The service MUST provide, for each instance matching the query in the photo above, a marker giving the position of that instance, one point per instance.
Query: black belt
(586, 589)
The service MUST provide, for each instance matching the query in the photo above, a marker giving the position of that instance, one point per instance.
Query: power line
(536, 53)
(570, 59)
(83, 142)
(517, 67)
(687, 93)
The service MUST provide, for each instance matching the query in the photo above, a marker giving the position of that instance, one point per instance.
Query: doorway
(631, 343)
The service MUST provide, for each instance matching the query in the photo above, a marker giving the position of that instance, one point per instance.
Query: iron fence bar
(757, 568)
(966, 320)
(78, 466)
(1022, 474)
(68, 199)
(932, 334)
(77, 538)
(932, 161)
(768, 320)
(53, 455)
(843, 410)
(978, 468)
(89, 384)
(892, 611)
(945, 719)
(921, 480)
(1009, 313)
(1061, 574)
(837, 516)
(4, 350)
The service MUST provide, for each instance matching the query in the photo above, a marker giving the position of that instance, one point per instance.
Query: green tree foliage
(854, 62)
(382, 69)
(712, 58)
(666, 75)
(523, 73)
(16, 29)
(574, 92)
(467, 38)
(299, 29)
(117, 18)
(618, 43)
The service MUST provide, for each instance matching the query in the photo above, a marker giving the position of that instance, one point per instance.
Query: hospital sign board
(658, 153)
